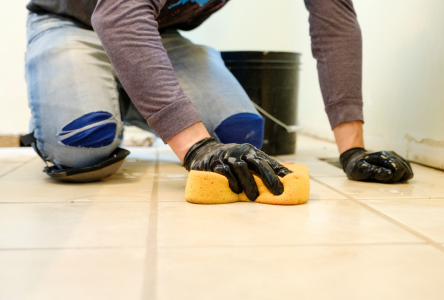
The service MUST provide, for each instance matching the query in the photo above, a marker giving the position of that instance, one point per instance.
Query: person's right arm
(129, 33)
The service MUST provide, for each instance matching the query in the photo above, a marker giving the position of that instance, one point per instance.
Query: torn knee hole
(93, 130)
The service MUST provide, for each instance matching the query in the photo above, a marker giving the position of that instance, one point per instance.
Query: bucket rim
(261, 56)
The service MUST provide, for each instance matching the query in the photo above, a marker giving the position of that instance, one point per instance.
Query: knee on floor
(242, 128)
(88, 140)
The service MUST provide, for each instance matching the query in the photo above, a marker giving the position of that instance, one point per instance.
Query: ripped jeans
(79, 107)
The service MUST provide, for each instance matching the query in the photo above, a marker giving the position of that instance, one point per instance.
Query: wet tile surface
(133, 235)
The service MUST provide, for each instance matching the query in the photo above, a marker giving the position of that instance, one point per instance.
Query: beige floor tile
(106, 274)
(409, 272)
(172, 177)
(171, 170)
(6, 168)
(423, 215)
(30, 170)
(133, 168)
(43, 225)
(48, 190)
(324, 169)
(418, 187)
(321, 192)
(171, 189)
(252, 224)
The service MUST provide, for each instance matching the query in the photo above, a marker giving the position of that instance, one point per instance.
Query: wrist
(184, 140)
(344, 157)
(349, 135)
(191, 154)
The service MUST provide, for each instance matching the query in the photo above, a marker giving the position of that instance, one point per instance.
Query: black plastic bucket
(271, 80)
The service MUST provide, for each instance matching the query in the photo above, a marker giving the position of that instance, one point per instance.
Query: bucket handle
(289, 128)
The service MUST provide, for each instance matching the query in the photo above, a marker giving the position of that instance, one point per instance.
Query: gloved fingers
(399, 171)
(382, 174)
(225, 170)
(389, 160)
(244, 177)
(408, 171)
(277, 167)
(281, 170)
(266, 173)
(364, 171)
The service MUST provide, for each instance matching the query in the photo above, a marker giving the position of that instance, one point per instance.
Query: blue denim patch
(93, 130)
(183, 2)
(242, 128)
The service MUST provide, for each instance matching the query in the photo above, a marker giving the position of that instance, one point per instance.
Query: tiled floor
(133, 236)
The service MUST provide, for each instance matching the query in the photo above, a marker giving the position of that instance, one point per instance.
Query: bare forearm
(349, 135)
(182, 142)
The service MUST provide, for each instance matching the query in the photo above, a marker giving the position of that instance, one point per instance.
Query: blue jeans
(79, 107)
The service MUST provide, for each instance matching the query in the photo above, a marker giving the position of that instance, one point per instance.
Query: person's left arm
(337, 47)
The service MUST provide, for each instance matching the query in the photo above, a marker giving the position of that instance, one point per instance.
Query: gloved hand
(234, 161)
(383, 166)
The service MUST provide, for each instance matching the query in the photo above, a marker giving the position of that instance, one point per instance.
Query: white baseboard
(426, 152)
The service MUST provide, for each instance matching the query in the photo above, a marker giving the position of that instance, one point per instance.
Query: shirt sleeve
(337, 47)
(129, 33)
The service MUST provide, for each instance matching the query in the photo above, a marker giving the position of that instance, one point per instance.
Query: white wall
(404, 77)
(403, 66)
(403, 81)
(283, 26)
(14, 112)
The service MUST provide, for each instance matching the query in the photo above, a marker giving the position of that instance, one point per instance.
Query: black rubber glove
(234, 161)
(383, 166)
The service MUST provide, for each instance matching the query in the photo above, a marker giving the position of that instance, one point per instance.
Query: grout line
(68, 248)
(76, 202)
(18, 167)
(400, 198)
(294, 245)
(149, 291)
(386, 217)
(215, 246)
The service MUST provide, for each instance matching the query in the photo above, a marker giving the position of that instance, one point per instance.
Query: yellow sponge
(211, 188)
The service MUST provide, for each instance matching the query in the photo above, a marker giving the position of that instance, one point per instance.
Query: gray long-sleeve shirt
(129, 31)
